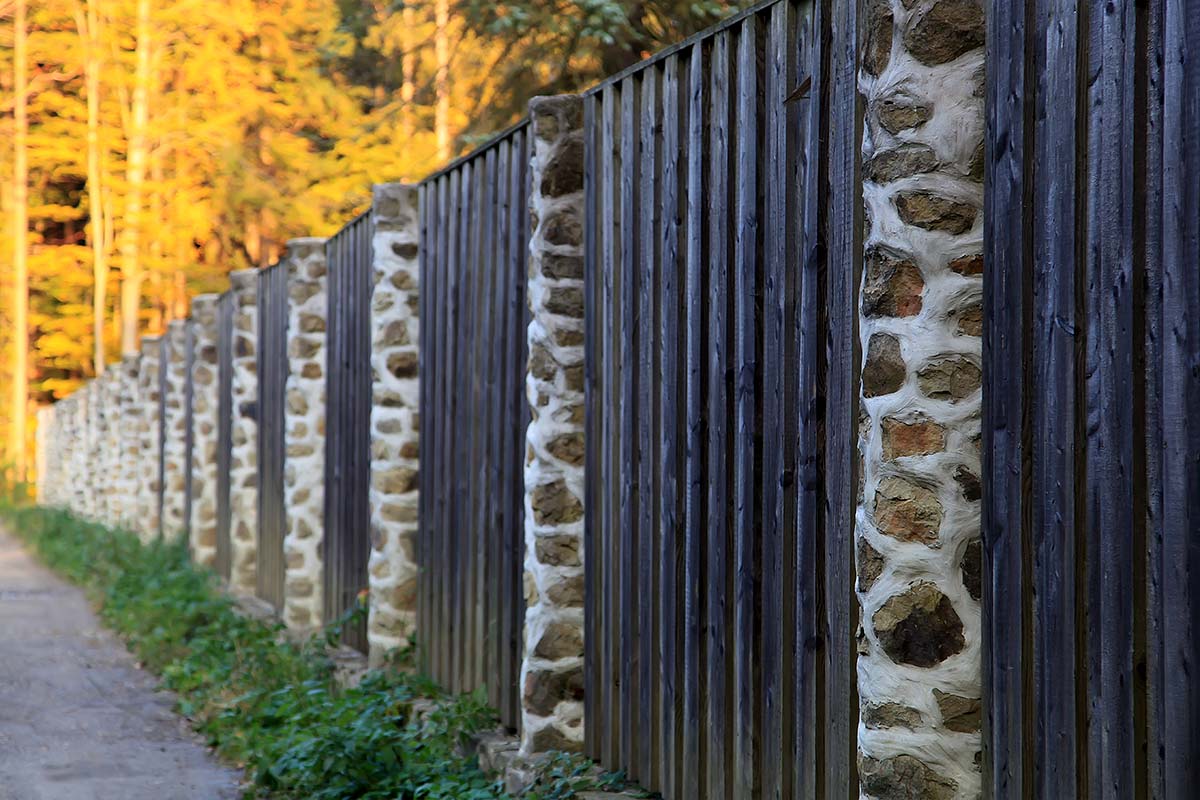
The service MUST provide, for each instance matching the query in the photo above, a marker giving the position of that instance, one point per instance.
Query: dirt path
(78, 719)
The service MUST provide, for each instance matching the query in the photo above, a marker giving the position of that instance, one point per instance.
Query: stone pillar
(146, 524)
(129, 481)
(78, 473)
(304, 433)
(243, 473)
(917, 542)
(395, 410)
(552, 670)
(203, 525)
(175, 430)
(110, 459)
(93, 442)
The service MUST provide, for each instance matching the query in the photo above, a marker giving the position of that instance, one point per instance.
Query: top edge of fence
(355, 220)
(481, 149)
(691, 41)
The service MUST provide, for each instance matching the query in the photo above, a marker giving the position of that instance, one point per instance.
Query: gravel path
(78, 719)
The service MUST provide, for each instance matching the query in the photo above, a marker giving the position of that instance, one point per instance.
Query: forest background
(151, 146)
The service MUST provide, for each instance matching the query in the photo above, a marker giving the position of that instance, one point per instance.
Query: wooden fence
(1092, 401)
(272, 358)
(224, 454)
(474, 240)
(719, 655)
(346, 545)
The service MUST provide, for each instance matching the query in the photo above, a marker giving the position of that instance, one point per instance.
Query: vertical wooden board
(609, 233)
(844, 240)
(808, 335)
(1109, 477)
(673, 442)
(628, 548)
(592, 403)
(1180, 525)
(477, 466)
(776, 447)
(513, 435)
(720, 462)
(493, 670)
(693, 750)
(646, 189)
(1005, 665)
(448, 268)
(746, 676)
(1055, 213)
(425, 361)
(462, 467)
(521, 351)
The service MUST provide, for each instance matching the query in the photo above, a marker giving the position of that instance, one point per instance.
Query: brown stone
(545, 689)
(897, 115)
(560, 640)
(403, 596)
(541, 363)
(561, 267)
(396, 480)
(972, 488)
(906, 511)
(935, 213)
(903, 162)
(972, 568)
(918, 438)
(403, 364)
(951, 378)
(312, 370)
(312, 323)
(393, 512)
(565, 300)
(878, 47)
(395, 334)
(970, 320)
(297, 403)
(890, 715)
(557, 551)
(301, 347)
(551, 739)
(567, 593)
(567, 447)
(563, 173)
(968, 265)
(567, 337)
(405, 250)
(563, 227)
(869, 562)
(401, 279)
(977, 166)
(903, 777)
(885, 369)
(960, 714)
(949, 29)
(892, 287)
(574, 376)
(554, 504)
(919, 626)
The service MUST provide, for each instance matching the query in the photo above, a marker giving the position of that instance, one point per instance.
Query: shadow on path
(78, 719)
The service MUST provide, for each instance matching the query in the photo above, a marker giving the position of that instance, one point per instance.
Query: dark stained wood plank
(672, 437)
(426, 359)
(692, 753)
(491, 415)
(593, 404)
(505, 476)
(1005, 666)
(720, 461)
(844, 240)
(1054, 528)
(1110, 468)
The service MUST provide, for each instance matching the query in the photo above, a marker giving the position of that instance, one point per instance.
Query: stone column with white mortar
(111, 451)
(175, 430)
(205, 397)
(552, 668)
(94, 435)
(304, 433)
(917, 542)
(149, 436)
(129, 478)
(395, 410)
(243, 473)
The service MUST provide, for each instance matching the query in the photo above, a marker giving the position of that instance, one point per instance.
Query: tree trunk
(408, 71)
(442, 81)
(92, 68)
(20, 312)
(131, 268)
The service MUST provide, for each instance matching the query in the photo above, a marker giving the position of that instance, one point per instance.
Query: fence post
(552, 668)
(395, 332)
(202, 527)
(304, 432)
(129, 480)
(917, 542)
(243, 472)
(149, 505)
(174, 425)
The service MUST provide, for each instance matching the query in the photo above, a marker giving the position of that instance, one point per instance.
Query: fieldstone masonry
(175, 430)
(146, 524)
(395, 409)
(304, 433)
(243, 473)
(917, 542)
(203, 526)
(110, 453)
(552, 670)
(130, 479)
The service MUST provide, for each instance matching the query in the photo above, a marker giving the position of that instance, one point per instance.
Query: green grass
(272, 706)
